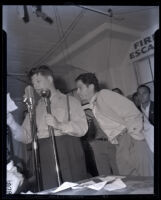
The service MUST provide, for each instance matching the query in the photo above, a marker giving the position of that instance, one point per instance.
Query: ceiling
(27, 43)
(39, 41)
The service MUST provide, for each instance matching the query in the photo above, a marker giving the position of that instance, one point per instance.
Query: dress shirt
(116, 114)
(77, 126)
(146, 110)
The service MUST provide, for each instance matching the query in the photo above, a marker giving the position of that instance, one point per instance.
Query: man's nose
(35, 85)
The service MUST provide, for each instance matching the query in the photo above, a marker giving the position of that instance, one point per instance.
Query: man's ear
(50, 79)
(91, 86)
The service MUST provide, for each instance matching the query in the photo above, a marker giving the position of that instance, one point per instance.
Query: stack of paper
(64, 186)
(110, 178)
(105, 183)
(117, 184)
(83, 185)
(28, 192)
(97, 186)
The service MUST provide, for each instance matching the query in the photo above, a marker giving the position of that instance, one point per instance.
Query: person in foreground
(69, 123)
(122, 125)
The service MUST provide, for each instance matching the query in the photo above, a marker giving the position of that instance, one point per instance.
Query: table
(135, 185)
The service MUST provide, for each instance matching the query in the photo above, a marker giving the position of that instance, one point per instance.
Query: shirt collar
(147, 107)
(55, 94)
(93, 100)
(146, 110)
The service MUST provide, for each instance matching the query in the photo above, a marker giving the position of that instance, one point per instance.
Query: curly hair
(43, 70)
(89, 78)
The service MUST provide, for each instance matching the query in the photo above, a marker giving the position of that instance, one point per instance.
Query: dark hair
(89, 78)
(144, 86)
(43, 70)
(118, 90)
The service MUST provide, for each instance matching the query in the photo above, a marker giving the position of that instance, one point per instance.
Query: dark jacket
(151, 113)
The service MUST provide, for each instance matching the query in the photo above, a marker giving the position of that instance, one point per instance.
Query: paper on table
(28, 192)
(83, 185)
(11, 106)
(64, 186)
(117, 184)
(97, 186)
(110, 178)
(48, 191)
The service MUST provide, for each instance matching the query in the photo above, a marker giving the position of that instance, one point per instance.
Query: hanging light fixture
(23, 13)
(37, 10)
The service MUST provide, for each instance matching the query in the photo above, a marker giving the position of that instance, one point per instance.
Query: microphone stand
(35, 146)
(46, 95)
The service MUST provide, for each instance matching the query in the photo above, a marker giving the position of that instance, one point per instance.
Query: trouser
(90, 159)
(105, 157)
(134, 157)
(71, 160)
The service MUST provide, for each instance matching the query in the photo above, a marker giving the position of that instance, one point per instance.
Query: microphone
(45, 93)
(29, 95)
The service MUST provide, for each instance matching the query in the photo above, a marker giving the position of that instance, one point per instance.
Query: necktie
(95, 131)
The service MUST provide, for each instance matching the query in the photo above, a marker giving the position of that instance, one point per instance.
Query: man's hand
(14, 178)
(52, 121)
(10, 119)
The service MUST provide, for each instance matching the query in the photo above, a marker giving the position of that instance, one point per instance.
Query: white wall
(105, 57)
(122, 72)
(108, 57)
